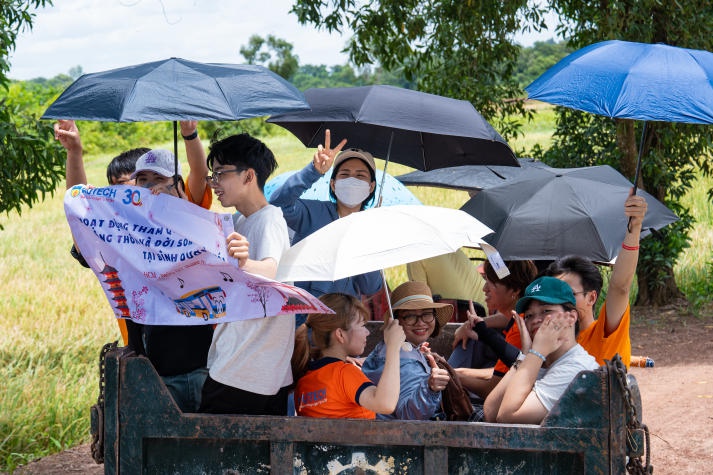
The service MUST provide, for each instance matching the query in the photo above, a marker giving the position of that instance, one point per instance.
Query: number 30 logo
(132, 197)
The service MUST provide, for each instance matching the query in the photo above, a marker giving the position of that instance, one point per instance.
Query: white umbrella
(378, 238)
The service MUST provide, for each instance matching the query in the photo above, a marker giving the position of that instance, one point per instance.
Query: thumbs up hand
(439, 378)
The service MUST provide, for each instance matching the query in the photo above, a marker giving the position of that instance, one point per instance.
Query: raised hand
(393, 332)
(465, 332)
(67, 133)
(439, 378)
(324, 156)
(525, 338)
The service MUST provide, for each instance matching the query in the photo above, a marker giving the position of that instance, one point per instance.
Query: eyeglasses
(412, 318)
(214, 179)
(583, 292)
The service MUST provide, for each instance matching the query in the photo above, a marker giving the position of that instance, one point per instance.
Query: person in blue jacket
(422, 381)
(352, 187)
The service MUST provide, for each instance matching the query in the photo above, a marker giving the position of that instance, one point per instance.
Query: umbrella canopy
(469, 177)
(351, 246)
(394, 192)
(420, 130)
(176, 89)
(627, 80)
(552, 212)
(630, 80)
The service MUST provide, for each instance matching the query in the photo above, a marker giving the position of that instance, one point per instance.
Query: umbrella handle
(381, 187)
(638, 166)
(388, 297)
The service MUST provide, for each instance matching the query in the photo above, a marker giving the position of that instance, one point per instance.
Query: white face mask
(351, 191)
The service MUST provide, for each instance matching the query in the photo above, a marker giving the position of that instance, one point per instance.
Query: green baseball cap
(547, 290)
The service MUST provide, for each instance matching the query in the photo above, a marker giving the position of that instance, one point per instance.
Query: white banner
(163, 261)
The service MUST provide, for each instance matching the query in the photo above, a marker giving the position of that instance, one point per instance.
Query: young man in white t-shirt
(249, 360)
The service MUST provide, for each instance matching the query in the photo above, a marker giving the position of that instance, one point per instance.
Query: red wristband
(629, 248)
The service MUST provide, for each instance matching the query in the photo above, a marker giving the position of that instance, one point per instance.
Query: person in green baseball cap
(548, 318)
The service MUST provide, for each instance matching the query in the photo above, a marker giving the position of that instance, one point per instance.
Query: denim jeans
(186, 388)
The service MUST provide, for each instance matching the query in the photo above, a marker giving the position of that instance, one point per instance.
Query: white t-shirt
(254, 355)
(553, 381)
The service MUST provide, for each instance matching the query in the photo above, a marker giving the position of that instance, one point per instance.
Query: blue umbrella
(469, 177)
(177, 89)
(627, 80)
(394, 192)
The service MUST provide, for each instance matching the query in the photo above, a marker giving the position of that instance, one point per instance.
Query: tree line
(447, 47)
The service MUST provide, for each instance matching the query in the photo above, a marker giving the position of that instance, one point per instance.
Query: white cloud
(104, 34)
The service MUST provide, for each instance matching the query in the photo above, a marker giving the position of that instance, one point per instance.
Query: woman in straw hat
(421, 380)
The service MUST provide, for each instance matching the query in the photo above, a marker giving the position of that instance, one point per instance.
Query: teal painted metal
(146, 433)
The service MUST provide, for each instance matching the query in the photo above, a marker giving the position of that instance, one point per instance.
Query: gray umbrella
(552, 212)
(416, 129)
(469, 177)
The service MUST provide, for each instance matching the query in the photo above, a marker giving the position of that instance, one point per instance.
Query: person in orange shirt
(608, 334)
(331, 387)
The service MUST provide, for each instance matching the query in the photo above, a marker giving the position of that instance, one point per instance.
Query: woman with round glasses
(421, 380)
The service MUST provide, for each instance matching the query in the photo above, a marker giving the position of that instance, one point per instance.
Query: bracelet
(538, 354)
(190, 136)
(629, 248)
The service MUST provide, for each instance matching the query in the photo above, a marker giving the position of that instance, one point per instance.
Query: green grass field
(55, 317)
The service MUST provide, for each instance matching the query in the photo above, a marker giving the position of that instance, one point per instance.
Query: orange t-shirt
(603, 346)
(331, 389)
(512, 336)
(206, 200)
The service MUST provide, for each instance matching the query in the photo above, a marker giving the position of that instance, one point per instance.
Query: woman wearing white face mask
(352, 187)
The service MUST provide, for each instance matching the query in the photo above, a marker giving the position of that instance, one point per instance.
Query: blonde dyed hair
(348, 311)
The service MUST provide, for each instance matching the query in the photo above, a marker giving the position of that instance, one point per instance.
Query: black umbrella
(176, 89)
(552, 212)
(420, 130)
(469, 177)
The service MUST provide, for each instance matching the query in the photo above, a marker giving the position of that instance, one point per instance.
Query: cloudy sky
(105, 34)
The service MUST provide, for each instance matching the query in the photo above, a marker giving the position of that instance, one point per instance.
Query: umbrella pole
(638, 167)
(175, 155)
(381, 186)
(388, 297)
(638, 161)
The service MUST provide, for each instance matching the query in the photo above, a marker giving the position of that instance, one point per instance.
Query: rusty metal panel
(581, 435)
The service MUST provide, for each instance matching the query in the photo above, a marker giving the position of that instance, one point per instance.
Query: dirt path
(677, 397)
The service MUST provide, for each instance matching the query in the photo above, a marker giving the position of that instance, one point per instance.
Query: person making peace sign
(351, 189)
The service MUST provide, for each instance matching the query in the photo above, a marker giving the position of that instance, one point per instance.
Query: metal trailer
(594, 428)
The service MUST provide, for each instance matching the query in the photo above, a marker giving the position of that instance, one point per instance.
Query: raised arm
(196, 157)
(67, 133)
(383, 397)
(624, 269)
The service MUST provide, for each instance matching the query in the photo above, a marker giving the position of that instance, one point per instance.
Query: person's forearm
(75, 173)
(504, 350)
(520, 385)
(196, 157)
(266, 267)
(387, 391)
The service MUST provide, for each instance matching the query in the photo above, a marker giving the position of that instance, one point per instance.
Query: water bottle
(642, 362)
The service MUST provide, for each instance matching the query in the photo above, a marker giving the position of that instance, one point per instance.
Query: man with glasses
(422, 382)
(608, 334)
(537, 380)
(249, 360)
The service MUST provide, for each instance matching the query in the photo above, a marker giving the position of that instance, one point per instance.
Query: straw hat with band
(413, 295)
